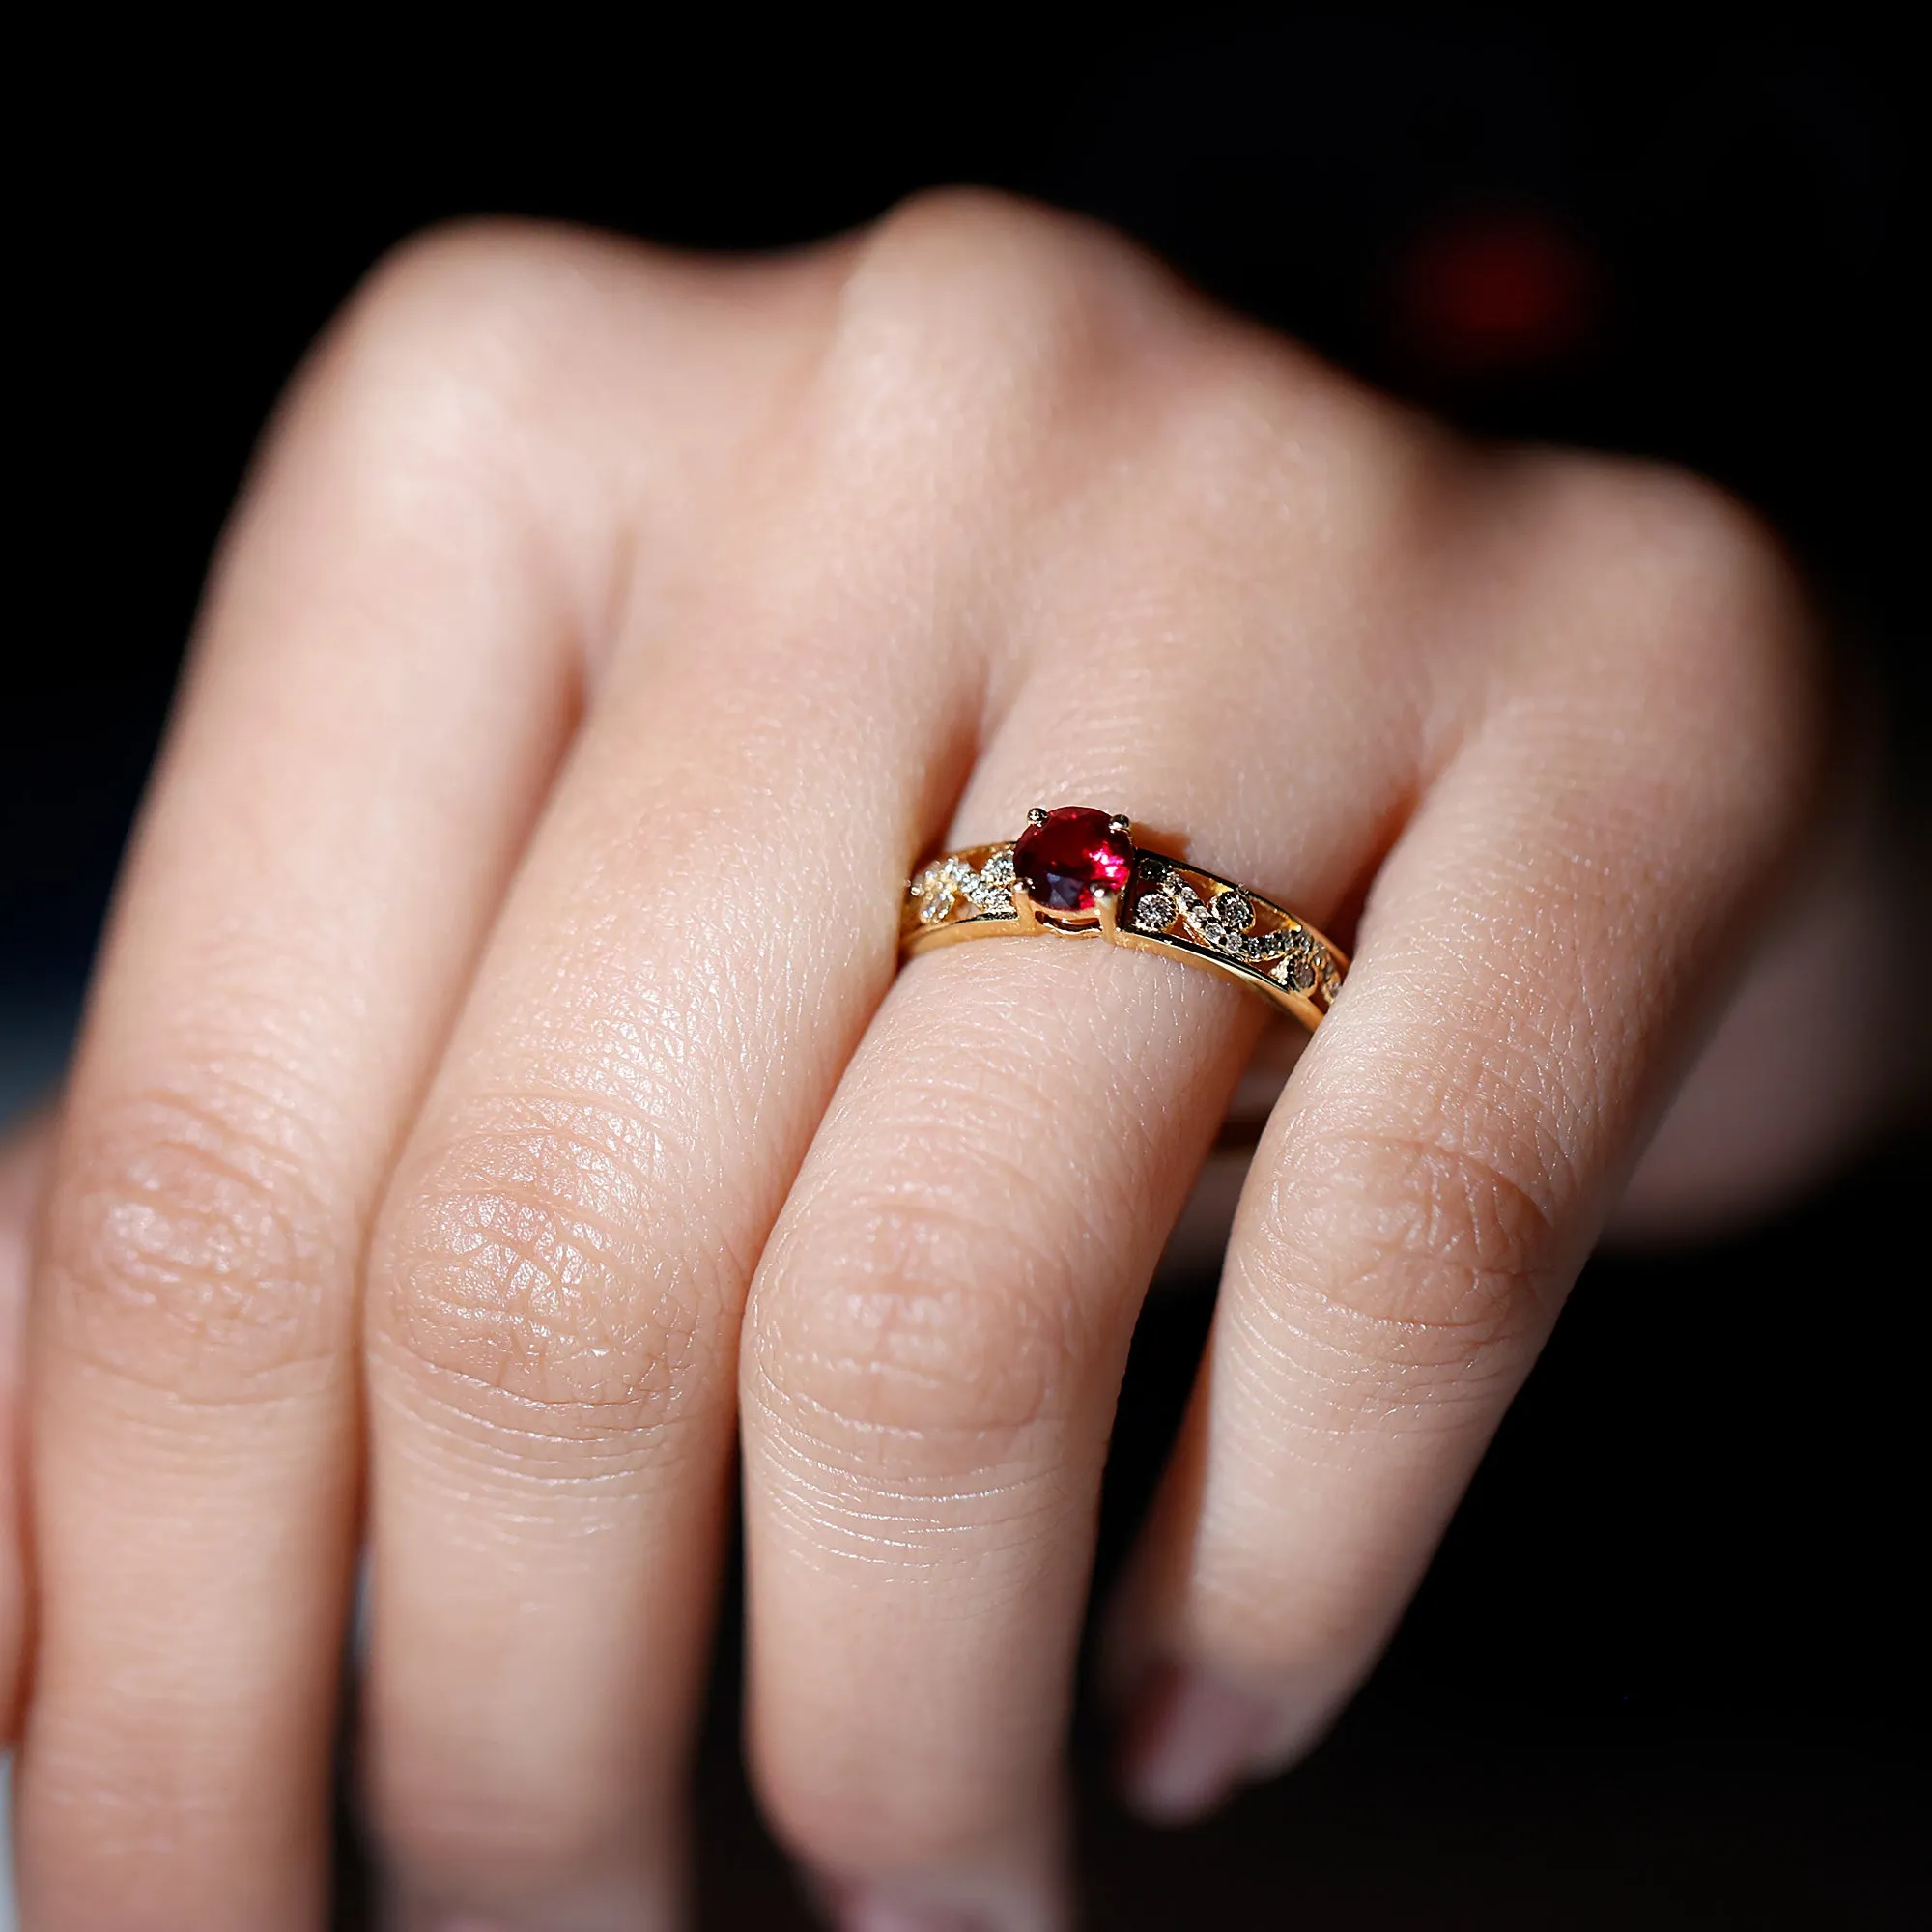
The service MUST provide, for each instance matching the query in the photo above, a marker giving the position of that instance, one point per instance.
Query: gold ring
(1078, 871)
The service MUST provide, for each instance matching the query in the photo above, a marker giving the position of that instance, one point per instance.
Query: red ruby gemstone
(1068, 854)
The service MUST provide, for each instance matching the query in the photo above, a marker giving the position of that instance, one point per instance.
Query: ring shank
(1170, 906)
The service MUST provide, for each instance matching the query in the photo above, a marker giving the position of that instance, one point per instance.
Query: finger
(1535, 956)
(1731, 1148)
(24, 1158)
(557, 1286)
(931, 1358)
(699, 930)
(385, 678)
(937, 1330)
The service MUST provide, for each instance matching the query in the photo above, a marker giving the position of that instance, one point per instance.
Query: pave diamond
(941, 887)
(1234, 910)
(936, 894)
(1219, 924)
(1155, 912)
(1297, 967)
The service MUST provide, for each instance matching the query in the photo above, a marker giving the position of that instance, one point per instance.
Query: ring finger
(937, 1331)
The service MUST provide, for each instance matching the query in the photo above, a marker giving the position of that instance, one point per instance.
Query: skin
(500, 1100)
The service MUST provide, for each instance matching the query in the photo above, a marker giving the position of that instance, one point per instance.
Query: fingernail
(864, 1910)
(1192, 1740)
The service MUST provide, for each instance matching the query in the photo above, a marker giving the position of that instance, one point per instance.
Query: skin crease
(470, 1131)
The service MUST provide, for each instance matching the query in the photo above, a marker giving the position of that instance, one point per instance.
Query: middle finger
(557, 1274)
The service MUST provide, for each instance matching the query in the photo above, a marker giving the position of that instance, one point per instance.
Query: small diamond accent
(1295, 966)
(1304, 966)
(1221, 925)
(1155, 912)
(941, 887)
(1236, 910)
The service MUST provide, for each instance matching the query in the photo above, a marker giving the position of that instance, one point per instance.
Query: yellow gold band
(1076, 871)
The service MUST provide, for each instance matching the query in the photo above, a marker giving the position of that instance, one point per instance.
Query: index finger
(386, 679)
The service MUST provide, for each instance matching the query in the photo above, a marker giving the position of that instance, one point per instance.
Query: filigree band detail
(1290, 953)
(988, 887)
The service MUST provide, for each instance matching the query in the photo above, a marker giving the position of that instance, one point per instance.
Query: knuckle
(1020, 334)
(1399, 1264)
(1297, 459)
(1709, 603)
(189, 1248)
(1617, 512)
(461, 357)
(915, 1318)
(993, 257)
(485, 303)
(1687, 528)
(527, 1267)
(966, 296)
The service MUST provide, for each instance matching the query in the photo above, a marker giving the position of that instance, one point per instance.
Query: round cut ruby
(1062, 859)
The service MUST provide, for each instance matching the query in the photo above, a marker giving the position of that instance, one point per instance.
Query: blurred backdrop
(1668, 1669)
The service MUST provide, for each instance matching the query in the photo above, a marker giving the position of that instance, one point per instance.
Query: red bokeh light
(1495, 289)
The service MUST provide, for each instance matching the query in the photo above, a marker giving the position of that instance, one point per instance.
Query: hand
(500, 1027)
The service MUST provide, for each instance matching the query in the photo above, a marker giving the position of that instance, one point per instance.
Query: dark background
(1667, 1670)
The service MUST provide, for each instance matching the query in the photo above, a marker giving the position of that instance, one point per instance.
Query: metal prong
(1107, 904)
(1120, 825)
(1037, 816)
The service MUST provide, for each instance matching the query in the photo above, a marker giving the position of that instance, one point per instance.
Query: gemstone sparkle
(1063, 858)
